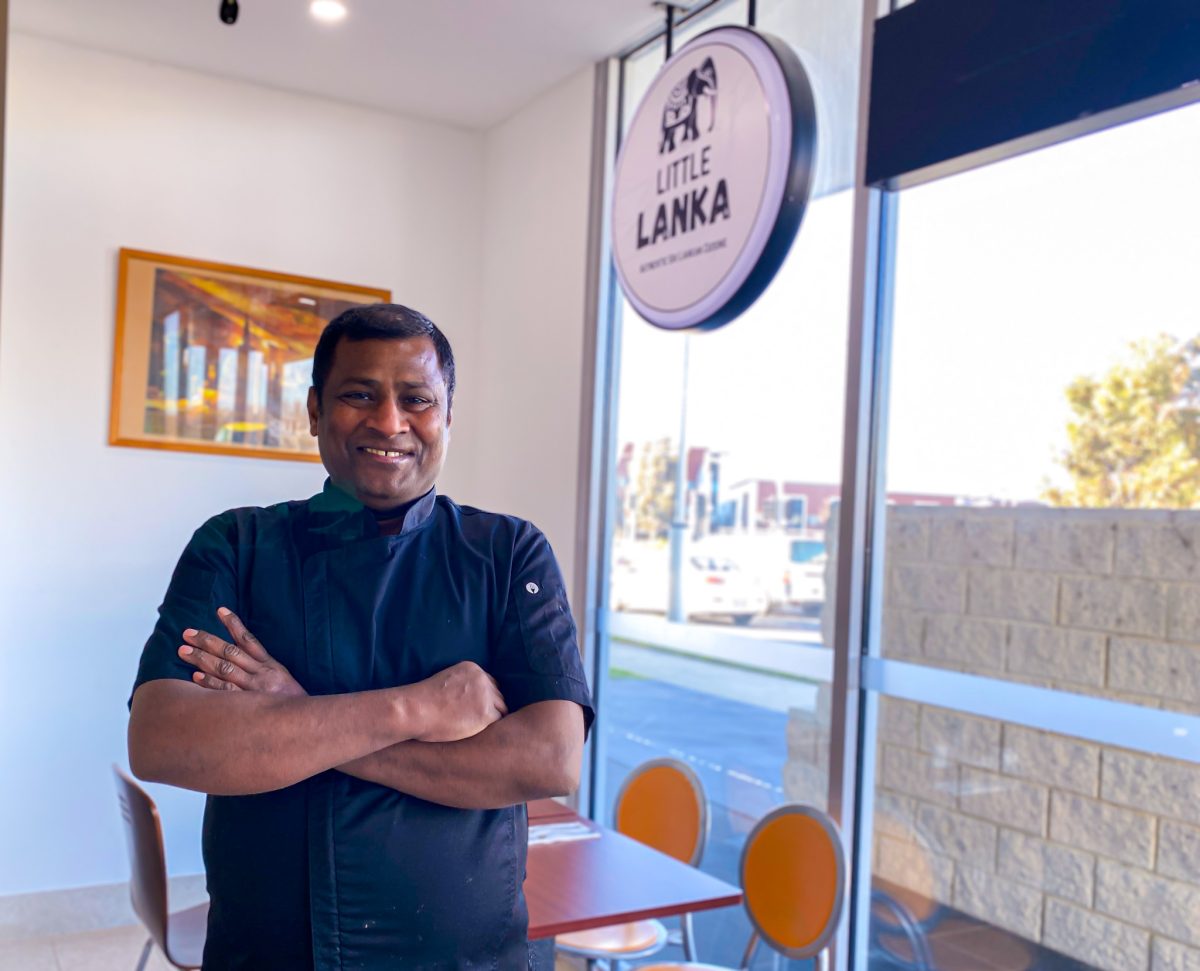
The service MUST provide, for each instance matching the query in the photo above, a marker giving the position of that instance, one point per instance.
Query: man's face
(383, 425)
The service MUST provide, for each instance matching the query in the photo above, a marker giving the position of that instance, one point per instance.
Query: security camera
(229, 11)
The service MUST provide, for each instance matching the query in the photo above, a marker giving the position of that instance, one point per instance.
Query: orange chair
(793, 882)
(181, 935)
(661, 804)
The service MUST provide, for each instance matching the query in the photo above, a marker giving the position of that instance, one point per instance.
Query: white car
(712, 587)
(805, 583)
(804, 576)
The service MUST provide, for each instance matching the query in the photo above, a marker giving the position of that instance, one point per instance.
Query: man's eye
(354, 397)
(416, 402)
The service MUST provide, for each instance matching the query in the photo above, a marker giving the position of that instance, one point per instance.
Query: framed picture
(217, 358)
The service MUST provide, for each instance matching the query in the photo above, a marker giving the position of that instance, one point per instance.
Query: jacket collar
(337, 513)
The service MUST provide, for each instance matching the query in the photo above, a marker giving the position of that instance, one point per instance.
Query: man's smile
(386, 454)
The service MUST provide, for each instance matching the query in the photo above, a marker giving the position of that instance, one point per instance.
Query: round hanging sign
(712, 178)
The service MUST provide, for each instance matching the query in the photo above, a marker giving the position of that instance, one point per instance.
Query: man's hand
(243, 665)
(455, 703)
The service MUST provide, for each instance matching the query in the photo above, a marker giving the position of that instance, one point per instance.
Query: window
(725, 476)
(1043, 405)
(1028, 783)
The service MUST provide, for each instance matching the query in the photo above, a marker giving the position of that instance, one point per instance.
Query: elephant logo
(682, 110)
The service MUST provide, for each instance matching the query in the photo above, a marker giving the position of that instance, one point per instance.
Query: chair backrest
(662, 804)
(147, 863)
(793, 879)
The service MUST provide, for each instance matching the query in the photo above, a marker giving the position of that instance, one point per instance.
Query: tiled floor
(115, 949)
(955, 941)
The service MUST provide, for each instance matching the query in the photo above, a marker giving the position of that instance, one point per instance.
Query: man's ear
(314, 411)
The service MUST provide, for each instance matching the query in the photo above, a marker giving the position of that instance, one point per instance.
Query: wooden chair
(793, 881)
(661, 804)
(180, 936)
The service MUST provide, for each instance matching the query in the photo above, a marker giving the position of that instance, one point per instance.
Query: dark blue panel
(951, 77)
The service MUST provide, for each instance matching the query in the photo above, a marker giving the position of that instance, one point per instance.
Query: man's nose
(389, 418)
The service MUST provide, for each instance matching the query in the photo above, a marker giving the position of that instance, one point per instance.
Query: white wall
(104, 152)
(537, 169)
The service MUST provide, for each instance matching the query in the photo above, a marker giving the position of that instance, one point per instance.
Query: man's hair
(374, 322)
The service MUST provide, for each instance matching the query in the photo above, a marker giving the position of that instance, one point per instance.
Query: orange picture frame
(215, 358)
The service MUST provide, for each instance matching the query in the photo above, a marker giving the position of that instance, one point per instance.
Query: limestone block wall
(1090, 850)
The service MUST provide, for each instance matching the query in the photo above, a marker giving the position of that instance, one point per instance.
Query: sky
(1011, 281)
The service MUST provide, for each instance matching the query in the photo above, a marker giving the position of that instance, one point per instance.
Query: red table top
(580, 884)
(545, 810)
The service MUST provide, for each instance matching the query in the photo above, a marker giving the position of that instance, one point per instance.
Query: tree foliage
(654, 490)
(1134, 438)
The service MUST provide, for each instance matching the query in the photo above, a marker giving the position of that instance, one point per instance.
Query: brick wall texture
(1089, 850)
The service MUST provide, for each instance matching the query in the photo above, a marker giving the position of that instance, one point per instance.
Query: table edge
(674, 910)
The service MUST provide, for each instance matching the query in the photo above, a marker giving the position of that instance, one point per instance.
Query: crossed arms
(245, 725)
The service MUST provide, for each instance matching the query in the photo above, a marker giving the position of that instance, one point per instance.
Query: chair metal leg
(689, 940)
(751, 947)
(141, 965)
(922, 957)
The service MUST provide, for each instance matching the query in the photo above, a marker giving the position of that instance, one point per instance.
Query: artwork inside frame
(217, 358)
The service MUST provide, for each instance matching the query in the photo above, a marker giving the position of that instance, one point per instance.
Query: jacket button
(532, 587)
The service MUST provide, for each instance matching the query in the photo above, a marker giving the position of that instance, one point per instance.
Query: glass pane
(1043, 481)
(1044, 425)
(997, 846)
(716, 648)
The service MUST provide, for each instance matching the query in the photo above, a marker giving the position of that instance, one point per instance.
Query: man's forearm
(241, 742)
(530, 754)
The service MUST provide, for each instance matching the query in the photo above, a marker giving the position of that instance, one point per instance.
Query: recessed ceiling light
(328, 11)
(307, 301)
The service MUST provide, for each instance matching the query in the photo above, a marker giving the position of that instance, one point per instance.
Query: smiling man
(395, 676)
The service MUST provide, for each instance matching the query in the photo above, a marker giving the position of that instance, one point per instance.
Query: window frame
(860, 676)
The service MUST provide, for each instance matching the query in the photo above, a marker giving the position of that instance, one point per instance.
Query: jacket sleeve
(204, 579)
(537, 651)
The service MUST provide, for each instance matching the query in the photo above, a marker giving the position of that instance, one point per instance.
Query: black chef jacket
(335, 872)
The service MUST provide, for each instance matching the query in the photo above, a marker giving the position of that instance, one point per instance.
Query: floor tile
(115, 949)
(28, 956)
(990, 946)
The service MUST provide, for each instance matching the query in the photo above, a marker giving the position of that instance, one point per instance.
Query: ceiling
(470, 63)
